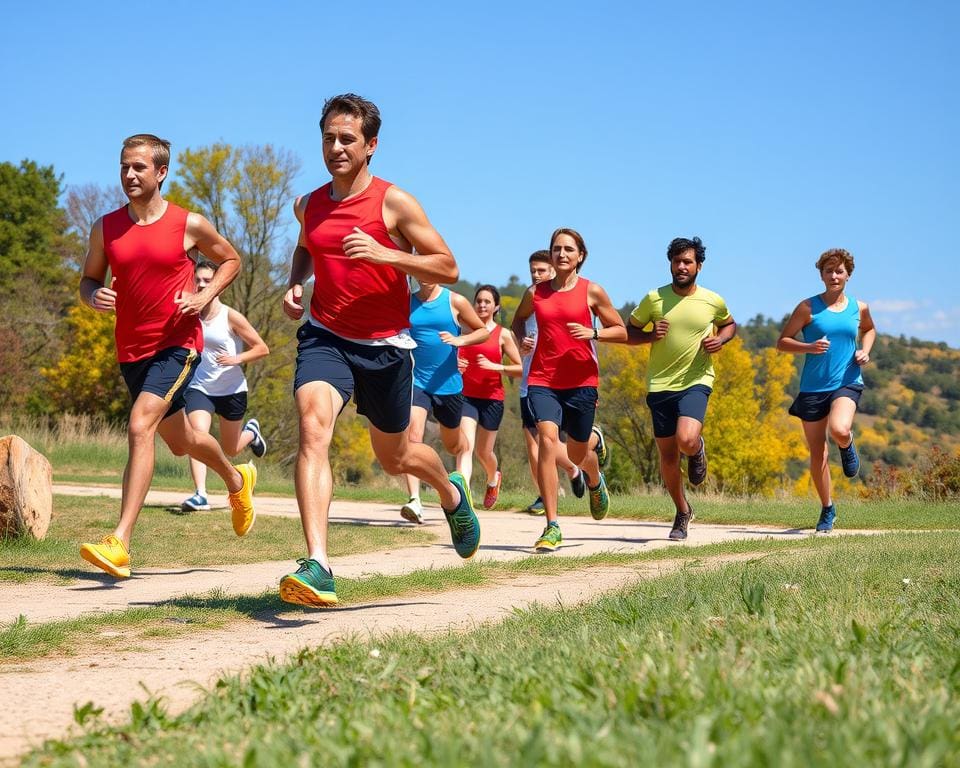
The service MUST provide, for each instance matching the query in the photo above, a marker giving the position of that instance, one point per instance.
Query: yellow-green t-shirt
(678, 361)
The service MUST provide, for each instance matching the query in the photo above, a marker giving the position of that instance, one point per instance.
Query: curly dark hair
(680, 244)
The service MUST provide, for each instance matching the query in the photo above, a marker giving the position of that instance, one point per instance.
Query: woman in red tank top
(564, 373)
(482, 368)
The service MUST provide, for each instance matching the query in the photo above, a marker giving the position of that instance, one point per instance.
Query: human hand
(448, 338)
(462, 364)
(293, 302)
(579, 331)
(191, 303)
(488, 365)
(660, 328)
(712, 344)
(104, 299)
(819, 346)
(222, 358)
(860, 357)
(359, 245)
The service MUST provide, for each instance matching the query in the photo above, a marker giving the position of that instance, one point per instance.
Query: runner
(564, 373)
(482, 366)
(683, 316)
(830, 383)
(219, 385)
(541, 268)
(358, 234)
(436, 317)
(158, 335)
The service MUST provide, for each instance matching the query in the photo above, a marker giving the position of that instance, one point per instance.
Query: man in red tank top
(564, 374)
(144, 244)
(360, 237)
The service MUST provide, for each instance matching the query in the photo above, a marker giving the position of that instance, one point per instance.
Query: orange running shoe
(241, 502)
(110, 555)
(493, 492)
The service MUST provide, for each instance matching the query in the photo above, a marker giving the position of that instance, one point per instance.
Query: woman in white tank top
(219, 386)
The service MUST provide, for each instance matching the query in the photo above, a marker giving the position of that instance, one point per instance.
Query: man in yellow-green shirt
(686, 324)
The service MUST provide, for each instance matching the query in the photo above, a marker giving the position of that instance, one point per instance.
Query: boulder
(26, 490)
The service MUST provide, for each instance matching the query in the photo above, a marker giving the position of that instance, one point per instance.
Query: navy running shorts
(572, 410)
(446, 409)
(667, 408)
(229, 407)
(165, 374)
(487, 413)
(379, 378)
(814, 406)
(527, 418)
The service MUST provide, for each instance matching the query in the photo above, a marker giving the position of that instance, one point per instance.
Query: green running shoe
(311, 585)
(464, 526)
(599, 500)
(549, 540)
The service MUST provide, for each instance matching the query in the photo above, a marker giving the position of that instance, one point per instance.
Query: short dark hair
(351, 104)
(680, 244)
(577, 238)
(836, 256)
(493, 292)
(543, 256)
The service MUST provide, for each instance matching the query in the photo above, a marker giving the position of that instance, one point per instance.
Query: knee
(315, 439)
(840, 433)
(688, 445)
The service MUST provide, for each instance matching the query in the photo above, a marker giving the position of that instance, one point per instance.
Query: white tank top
(212, 378)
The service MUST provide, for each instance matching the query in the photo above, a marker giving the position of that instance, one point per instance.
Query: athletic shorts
(379, 378)
(667, 408)
(527, 418)
(487, 413)
(814, 406)
(165, 374)
(230, 407)
(572, 410)
(446, 409)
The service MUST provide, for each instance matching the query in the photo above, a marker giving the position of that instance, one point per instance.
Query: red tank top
(559, 360)
(478, 382)
(355, 298)
(151, 269)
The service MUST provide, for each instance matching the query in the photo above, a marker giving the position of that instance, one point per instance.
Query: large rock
(26, 489)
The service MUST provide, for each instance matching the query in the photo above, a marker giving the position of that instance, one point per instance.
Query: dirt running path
(46, 692)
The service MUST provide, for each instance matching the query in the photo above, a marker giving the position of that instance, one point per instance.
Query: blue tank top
(435, 363)
(836, 367)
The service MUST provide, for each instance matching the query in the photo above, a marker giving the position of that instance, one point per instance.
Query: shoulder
(712, 297)
(396, 199)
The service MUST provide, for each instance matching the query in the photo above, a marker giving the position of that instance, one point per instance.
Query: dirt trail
(46, 691)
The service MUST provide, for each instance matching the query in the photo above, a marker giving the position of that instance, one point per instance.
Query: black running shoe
(258, 446)
(697, 465)
(680, 524)
(578, 485)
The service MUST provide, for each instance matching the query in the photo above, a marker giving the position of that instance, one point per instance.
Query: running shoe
(412, 511)
(536, 507)
(110, 555)
(827, 517)
(603, 453)
(241, 502)
(697, 465)
(463, 522)
(197, 502)
(680, 524)
(599, 500)
(578, 484)
(493, 491)
(549, 540)
(311, 585)
(258, 446)
(850, 460)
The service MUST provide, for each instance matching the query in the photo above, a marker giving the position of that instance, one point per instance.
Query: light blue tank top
(835, 368)
(435, 363)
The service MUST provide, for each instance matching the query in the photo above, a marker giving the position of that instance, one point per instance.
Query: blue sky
(771, 130)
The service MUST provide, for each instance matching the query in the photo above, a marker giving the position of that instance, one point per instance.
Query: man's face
(345, 151)
(684, 268)
(202, 278)
(565, 253)
(138, 175)
(540, 271)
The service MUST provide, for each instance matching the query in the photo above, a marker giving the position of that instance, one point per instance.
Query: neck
(565, 280)
(147, 211)
(429, 295)
(211, 309)
(490, 323)
(348, 186)
(684, 290)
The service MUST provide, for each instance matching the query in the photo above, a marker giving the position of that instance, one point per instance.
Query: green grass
(160, 537)
(824, 656)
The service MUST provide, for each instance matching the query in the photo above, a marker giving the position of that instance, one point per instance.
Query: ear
(162, 173)
(371, 147)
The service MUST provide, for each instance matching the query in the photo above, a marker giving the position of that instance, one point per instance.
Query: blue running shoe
(850, 460)
(827, 517)
(195, 503)
(464, 526)
(536, 507)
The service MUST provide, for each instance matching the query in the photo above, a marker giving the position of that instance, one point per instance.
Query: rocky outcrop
(26, 490)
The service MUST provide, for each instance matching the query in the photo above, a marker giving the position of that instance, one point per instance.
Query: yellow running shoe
(110, 555)
(241, 502)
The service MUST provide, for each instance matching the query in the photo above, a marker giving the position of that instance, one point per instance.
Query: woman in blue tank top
(436, 317)
(830, 384)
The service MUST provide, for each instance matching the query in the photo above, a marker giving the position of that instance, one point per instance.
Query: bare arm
(465, 314)
(427, 257)
(725, 333)
(256, 347)
(202, 235)
(518, 326)
(636, 335)
(613, 329)
(800, 318)
(508, 349)
(868, 335)
(301, 267)
(95, 265)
